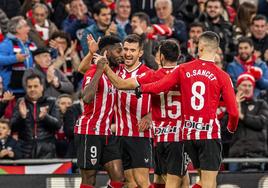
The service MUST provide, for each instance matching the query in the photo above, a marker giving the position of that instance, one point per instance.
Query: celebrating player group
(136, 118)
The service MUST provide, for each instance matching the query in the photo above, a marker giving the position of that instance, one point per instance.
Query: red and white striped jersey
(97, 116)
(129, 110)
(202, 84)
(166, 108)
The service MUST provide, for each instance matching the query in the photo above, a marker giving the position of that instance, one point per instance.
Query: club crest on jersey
(93, 161)
(196, 125)
(164, 130)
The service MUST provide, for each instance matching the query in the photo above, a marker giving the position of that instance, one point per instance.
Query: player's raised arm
(118, 82)
(228, 95)
(162, 85)
(86, 61)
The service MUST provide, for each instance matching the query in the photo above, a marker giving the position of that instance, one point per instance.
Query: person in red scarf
(41, 27)
(246, 61)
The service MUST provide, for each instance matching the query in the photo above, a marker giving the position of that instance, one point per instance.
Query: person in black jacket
(36, 118)
(70, 117)
(249, 140)
(9, 147)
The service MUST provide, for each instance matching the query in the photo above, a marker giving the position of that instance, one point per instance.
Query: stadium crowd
(47, 46)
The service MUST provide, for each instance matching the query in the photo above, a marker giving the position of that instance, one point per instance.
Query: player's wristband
(138, 92)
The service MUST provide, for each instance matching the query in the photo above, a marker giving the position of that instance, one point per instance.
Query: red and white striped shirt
(97, 116)
(129, 110)
(202, 84)
(166, 108)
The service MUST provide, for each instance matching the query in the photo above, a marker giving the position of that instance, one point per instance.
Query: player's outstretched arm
(165, 84)
(229, 98)
(118, 82)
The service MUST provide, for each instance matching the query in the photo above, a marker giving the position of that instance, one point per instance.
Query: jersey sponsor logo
(196, 125)
(165, 130)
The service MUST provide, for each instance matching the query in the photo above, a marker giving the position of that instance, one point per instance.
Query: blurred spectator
(9, 147)
(69, 120)
(249, 140)
(26, 7)
(259, 36)
(263, 7)
(164, 16)
(56, 82)
(3, 23)
(245, 62)
(10, 7)
(102, 27)
(64, 101)
(15, 55)
(192, 9)
(195, 30)
(61, 10)
(36, 118)
(231, 8)
(77, 20)
(245, 13)
(41, 27)
(65, 56)
(140, 25)
(213, 21)
(123, 10)
(143, 6)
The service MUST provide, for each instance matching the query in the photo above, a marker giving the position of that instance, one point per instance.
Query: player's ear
(141, 53)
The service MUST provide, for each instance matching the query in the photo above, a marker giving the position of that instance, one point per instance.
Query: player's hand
(93, 45)
(145, 123)
(100, 60)
(138, 92)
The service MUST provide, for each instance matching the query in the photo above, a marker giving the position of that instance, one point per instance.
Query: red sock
(196, 186)
(86, 186)
(116, 184)
(158, 185)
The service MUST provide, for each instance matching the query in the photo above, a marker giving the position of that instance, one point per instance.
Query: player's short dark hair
(245, 40)
(170, 49)
(258, 17)
(197, 24)
(143, 17)
(5, 121)
(108, 41)
(134, 38)
(65, 95)
(98, 6)
(210, 36)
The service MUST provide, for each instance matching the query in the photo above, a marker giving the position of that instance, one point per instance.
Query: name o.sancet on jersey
(202, 84)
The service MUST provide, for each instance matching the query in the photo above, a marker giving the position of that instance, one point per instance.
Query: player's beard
(244, 56)
(113, 62)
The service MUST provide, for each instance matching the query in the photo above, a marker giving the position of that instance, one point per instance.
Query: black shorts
(170, 158)
(204, 154)
(136, 152)
(94, 151)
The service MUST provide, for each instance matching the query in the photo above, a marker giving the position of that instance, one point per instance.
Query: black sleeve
(70, 117)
